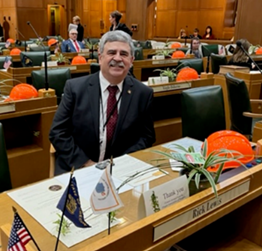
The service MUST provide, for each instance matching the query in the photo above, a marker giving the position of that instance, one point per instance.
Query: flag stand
(109, 214)
(62, 217)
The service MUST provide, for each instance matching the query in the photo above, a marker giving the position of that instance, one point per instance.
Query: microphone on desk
(21, 36)
(45, 55)
(239, 44)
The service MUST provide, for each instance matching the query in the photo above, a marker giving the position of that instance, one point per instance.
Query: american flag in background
(19, 236)
(7, 62)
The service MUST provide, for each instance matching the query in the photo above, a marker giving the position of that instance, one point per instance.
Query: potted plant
(170, 73)
(61, 59)
(199, 176)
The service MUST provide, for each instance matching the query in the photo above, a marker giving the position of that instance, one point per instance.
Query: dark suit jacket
(80, 30)
(67, 46)
(122, 27)
(75, 129)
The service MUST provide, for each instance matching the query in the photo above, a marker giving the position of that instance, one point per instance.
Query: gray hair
(115, 36)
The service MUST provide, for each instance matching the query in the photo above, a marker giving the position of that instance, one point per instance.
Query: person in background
(239, 58)
(182, 34)
(114, 19)
(71, 44)
(208, 33)
(196, 34)
(80, 28)
(195, 48)
(88, 126)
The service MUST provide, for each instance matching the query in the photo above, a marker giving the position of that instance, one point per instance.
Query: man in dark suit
(71, 44)
(82, 131)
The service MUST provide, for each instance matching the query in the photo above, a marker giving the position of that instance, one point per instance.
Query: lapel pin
(129, 91)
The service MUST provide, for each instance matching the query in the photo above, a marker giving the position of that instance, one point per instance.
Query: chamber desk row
(238, 207)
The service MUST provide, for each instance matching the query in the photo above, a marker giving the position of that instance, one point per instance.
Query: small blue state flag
(7, 62)
(73, 210)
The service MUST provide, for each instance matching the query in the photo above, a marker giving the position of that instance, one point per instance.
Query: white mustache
(115, 63)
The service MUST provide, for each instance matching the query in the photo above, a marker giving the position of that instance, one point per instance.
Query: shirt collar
(104, 83)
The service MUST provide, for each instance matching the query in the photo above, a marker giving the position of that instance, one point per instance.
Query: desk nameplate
(5, 108)
(193, 214)
(166, 61)
(170, 87)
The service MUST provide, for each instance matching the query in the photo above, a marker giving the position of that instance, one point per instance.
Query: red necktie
(111, 124)
(76, 45)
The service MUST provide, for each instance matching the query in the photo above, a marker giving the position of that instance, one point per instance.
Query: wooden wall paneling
(137, 14)
(188, 5)
(211, 4)
(248, 24)
(162, 19)
(167, 5)
(108, 7)
(37, 17)
(1, 5)
(30, 3)
(214, 18)
(9, 4)
(184, 20)
(121, 6)
(151, 21)
(11, 22)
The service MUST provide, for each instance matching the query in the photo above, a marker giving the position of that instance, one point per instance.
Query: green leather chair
(216, 61)
(39, 48)
(2, 60)
(202, 111)
(94, 67)
(29, 59)
(139, 53)
(207, 49)
(195, 63)
(5, 180)
(184, 49)
(239, 103)
(144, 44)
(56, 79)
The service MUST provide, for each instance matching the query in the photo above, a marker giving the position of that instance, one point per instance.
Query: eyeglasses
(73, 33)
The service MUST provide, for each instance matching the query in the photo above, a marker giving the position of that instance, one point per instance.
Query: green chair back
(56, 79)
(195, 63)
(239, 102)
(207, 49)
(5, 180)
(216, 61)
(94, 67)
(29, 59)
(39, 48)
(144, 44)
(184, 49)
(202, 111)
(139, 53)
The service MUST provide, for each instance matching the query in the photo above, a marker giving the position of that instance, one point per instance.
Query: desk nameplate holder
(163, 229)
(170, 86)
(165, 61)
(8, 107)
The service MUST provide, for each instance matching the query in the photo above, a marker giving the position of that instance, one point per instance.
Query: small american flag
(7, 62)
(7, 44)
(19, 236)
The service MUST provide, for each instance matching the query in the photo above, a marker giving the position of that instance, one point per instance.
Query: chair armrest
(252, 115)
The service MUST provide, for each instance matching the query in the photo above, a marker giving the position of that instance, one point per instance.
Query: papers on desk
(185, 142)
(40, 200)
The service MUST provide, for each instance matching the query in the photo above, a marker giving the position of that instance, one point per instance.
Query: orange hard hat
(15, 51)
(78, 60)
(178, 54)
(259, 50)
(52, 41)
(230, 140)
(22, 91)
(11, 40)
(187, 73)
(175, 45)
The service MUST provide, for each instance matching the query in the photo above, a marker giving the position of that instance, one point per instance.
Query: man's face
(115, 61)
(195, 45)
(73, 35)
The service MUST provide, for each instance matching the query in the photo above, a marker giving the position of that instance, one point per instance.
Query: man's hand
(89, 163)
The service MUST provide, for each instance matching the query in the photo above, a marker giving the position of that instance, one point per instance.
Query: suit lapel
(94, 100)
(127, 95)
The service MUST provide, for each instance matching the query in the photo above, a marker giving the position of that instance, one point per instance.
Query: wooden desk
(137, 234)
(23, 74)
(26, 131)
(167, 109)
